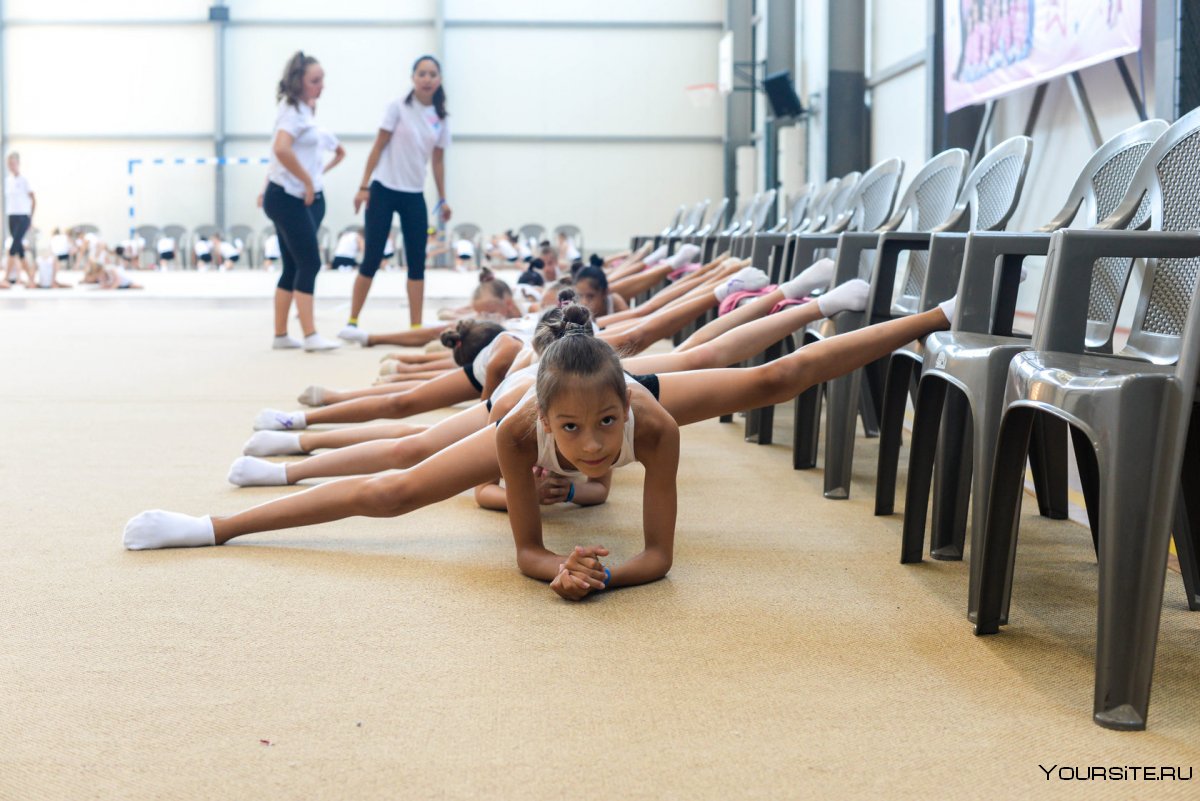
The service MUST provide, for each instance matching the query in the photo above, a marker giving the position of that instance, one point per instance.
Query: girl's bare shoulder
(651, 421)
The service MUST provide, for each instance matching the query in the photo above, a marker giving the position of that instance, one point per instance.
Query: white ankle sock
(747, 279)
(275, 420)
(250, 471)
(658, 254)
(272, 443)
(352, 333)
(286, 342)
(948, 307)
(312, 396)
(684, 256)
(159, 529)
(813, 277)
(850, 296)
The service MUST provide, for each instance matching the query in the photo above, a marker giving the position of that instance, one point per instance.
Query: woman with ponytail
(413, 133)
(294, 198)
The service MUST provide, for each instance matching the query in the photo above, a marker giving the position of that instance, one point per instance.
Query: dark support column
(847, 121)
(219, 15)
(1188, 49)
(781, 55)
(738, 105)
(960, 128)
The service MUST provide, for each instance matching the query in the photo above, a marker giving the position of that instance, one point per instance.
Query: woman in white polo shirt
(19, 204)
(294, 199)
(413, 133)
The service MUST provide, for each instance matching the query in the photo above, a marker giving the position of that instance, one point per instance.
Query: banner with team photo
(994, 47)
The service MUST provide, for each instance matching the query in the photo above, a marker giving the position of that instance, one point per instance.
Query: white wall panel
(323, 9)
(898, 29)
(86, 182)
(364, 69)
(592, 10)
(610, 191)
(111, 79)
(626, 82)
(90, 9)
(895, 130)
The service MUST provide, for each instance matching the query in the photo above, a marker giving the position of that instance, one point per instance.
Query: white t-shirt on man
(416, 130)
(18, 196)
(306, 144)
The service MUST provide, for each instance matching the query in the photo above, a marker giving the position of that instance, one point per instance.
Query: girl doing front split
(582, 416)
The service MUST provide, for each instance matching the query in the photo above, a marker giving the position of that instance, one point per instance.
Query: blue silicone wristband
(570, 493)
(607, 577)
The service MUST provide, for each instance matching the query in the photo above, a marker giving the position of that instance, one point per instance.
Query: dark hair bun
(566, 297)
(485, 275)
(451, 339)
(595, 260)
(577, 316)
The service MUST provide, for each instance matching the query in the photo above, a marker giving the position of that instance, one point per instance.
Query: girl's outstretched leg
(364, 458)
(445, 390)
(702, 394)
(458, 468)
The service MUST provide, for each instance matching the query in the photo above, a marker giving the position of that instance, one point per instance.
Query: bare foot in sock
(275, 420)
(273, 443)
(250, 471)
(814, 277)
(748, 279)
(159, 529)
(312, 396)
(850, 296)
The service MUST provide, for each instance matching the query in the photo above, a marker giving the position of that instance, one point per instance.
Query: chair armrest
(987, 297)
(1062, 311)
(883, 275)
(805, 247)
(764, 245)
(945, 267)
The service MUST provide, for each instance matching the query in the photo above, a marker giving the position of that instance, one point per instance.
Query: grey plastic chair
(246, 234)
(869, 205)
(532, 231)
(574, 233)
(1134, 408)
(260, 244)
(987, 201)
(971, 361)
(148, 254)
(927, 202)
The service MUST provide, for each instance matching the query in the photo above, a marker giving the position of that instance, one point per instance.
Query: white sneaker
(352, 333)
(316, 342)
(285, 342)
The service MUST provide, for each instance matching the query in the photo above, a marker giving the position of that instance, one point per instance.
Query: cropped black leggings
(414, 223)
(18, 226)
(297, 226)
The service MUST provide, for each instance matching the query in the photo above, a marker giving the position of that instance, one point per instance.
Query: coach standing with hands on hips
(413, 133)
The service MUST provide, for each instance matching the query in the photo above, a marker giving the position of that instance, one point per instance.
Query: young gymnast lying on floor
(583, 417)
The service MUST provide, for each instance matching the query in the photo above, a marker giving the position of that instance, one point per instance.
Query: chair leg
(840, 423)
(871, 398)
(931, 396)
(952, 479)
(1187, 514)
(987, 592)
(1089, 478)
(807, 429)
(1134, 541)
(1048, 460)
(891, 429)
(760, 422)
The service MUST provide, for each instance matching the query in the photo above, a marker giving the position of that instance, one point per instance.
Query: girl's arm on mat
(657, 447)
(552, 489)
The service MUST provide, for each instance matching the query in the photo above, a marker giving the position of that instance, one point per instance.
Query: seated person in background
(503, 249)
(549, 257)
(465, 254)
(47, 272)
(107, 270)
(346, 253)
(230, 253)
(389, 252)
(528, 291)
(567, 252)
(204, 253)
(271, 253)
(436, 246)
(525, 249)
(60, 248)
(166, 252)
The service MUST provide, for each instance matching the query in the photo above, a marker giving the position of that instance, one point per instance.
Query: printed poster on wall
(994, 47)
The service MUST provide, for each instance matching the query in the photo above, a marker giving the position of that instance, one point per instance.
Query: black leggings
(414, 223)
(18, 226)
(296, 225)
